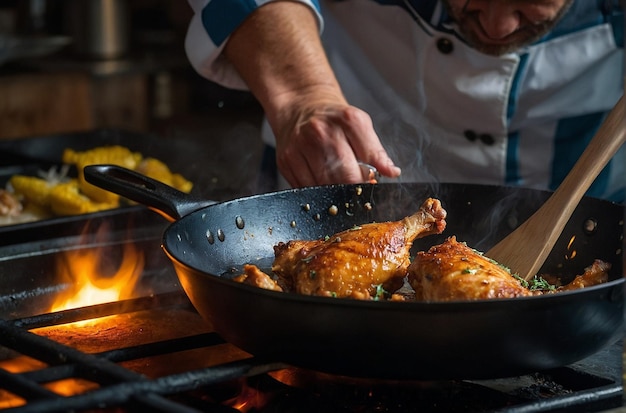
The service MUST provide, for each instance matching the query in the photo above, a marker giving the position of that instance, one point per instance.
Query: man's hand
(324, 141)
(320, 137)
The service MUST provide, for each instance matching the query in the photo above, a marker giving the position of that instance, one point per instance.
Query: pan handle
(167, 201)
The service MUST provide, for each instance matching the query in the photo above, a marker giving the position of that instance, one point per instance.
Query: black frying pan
(395, 340)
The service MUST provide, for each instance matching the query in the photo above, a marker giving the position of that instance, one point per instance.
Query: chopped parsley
(535, 284)
(381, 293)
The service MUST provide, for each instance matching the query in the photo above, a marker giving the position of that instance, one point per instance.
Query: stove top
(156, 353)
(153, 352)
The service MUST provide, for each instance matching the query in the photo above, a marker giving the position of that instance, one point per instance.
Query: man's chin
(499, 48)
(495, 49)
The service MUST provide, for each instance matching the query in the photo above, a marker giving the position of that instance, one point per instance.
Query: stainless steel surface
(100, 28)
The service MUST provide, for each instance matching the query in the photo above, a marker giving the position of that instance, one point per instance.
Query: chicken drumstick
(357, 262)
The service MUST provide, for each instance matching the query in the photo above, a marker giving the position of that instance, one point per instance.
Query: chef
(504, 92)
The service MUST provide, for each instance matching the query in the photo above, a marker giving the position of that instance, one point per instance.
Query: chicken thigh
(454, 271)
(359, 262)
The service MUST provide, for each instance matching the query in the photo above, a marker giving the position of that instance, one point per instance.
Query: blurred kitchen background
(81, 65)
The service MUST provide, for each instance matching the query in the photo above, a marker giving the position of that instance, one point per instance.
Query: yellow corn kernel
(33, 189)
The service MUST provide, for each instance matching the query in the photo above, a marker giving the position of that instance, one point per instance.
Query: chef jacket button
(445, 45)
(487, 139)
(470, 135)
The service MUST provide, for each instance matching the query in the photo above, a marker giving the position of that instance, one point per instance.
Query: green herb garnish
(537, 283)
(381, 293)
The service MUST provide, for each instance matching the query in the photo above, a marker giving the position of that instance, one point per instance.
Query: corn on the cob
(66, 199)
(115, 154)
(77, 196)
(33, 189)
(180, 183)
(158, 170)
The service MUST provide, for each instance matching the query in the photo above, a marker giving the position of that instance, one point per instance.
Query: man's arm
(278, 52)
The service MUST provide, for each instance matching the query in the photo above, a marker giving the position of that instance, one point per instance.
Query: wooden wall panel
(39, 104)
(34, 104)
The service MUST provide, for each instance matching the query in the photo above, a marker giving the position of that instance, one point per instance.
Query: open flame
(97, 276)
(249, 399)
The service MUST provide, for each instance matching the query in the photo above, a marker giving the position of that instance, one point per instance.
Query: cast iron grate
(119, 386)
(575, 388)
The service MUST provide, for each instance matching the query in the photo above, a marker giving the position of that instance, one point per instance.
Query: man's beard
(468, 24)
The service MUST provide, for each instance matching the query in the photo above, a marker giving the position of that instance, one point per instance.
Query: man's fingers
(385, 165)
(326, 149)
(295, 169)
(366, 144)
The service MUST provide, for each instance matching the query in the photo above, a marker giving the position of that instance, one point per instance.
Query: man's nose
(498, 19)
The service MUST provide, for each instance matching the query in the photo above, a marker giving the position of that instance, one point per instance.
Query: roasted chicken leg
(358, 262)
(454, 271)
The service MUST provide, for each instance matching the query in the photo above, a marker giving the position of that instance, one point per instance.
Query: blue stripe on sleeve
(570, 142)
(221, 17)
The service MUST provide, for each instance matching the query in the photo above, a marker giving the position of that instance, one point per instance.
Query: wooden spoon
(525, 250)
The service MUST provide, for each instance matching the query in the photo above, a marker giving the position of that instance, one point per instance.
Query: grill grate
(118, 386)
(592, 386)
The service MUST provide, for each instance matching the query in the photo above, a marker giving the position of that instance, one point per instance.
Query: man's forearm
(278, 53)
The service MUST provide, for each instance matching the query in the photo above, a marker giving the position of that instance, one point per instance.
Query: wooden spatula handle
(525, 250)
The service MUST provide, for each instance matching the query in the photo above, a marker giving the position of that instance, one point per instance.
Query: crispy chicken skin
(454, 271)
(596, 273)
(252, 275)
(355, 263)
(358, 262)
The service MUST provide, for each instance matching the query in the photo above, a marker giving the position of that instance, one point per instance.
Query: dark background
(146, 87)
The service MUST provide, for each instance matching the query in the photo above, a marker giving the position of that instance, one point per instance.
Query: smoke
(407, 142)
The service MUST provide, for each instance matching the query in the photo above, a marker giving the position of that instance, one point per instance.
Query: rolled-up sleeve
(211, 25)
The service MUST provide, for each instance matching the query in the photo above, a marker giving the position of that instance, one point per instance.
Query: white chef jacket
(446, 112)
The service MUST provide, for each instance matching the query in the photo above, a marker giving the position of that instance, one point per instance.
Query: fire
(65, 387)
(95, 276)
(249, 399)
